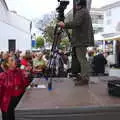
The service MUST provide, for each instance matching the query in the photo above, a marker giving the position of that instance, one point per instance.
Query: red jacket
(24, 62)
(12, 83)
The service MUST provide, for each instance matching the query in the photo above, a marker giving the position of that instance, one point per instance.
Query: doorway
(12, 45)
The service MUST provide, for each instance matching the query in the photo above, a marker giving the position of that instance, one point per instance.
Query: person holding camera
(82, 38)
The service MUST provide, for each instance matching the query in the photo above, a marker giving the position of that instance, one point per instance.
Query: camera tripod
(54, 52)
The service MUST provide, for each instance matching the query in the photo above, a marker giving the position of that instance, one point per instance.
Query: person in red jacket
(12, 86)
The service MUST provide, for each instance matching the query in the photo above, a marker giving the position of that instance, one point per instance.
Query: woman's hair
(5, 65)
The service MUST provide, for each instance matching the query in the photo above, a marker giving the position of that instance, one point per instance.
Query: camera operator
(82, 38)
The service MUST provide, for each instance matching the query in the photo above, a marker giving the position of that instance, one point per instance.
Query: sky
(32, 9)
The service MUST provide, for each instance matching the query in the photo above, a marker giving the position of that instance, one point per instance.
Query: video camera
(61, 8)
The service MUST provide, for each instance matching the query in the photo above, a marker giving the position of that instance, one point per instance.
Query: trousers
(10, 114)
(81, 56)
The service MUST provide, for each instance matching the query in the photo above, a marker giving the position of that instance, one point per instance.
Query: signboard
(33, 43)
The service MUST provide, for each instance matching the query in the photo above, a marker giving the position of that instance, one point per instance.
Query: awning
(117, 37)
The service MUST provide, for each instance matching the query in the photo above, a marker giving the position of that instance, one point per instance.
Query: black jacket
(99, 63)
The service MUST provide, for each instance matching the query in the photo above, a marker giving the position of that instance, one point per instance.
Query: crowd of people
(99, 62)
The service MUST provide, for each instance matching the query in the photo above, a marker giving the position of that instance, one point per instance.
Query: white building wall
(14, 27)
(114, 19)
(19, 22)
(7, 32)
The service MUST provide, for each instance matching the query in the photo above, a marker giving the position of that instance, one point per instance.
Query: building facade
(97, 16)
(111, 18)
(15, 31)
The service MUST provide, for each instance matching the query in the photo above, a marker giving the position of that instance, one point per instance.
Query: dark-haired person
(82, 37)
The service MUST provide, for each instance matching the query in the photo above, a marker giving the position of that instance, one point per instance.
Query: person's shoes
(86, 79)
(83, 80)
(78, 78)
(72, 75)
